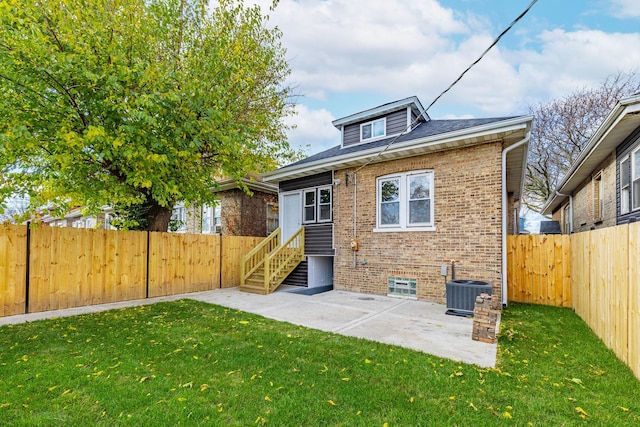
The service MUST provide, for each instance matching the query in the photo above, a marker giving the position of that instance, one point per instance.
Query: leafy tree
(562, 127)
(137, 104)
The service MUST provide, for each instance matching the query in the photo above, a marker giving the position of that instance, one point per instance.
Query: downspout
(355, 214)
(570, 209)
(518, 144)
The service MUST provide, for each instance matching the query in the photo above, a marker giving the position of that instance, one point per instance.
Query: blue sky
(350, 55)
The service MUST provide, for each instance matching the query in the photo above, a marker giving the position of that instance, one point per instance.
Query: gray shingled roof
(430, 128)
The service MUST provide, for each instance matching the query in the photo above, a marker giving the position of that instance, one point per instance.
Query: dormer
(385, 121)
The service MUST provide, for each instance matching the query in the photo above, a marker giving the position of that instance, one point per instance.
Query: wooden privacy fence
(539, 269)
(602, 268)
(71, 267)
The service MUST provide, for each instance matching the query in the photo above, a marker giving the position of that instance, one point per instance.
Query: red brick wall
(467, 201)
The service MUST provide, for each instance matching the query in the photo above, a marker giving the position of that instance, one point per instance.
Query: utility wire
(495, 42)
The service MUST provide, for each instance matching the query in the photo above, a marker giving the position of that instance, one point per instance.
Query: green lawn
(188, 363)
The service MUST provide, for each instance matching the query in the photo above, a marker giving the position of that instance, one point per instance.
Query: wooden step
(254, 289)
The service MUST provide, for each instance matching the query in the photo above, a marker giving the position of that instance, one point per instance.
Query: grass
(191, 363)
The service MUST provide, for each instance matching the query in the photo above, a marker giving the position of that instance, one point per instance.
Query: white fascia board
(497, 128)
(374, 112)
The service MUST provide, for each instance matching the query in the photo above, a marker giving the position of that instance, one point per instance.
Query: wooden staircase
(268, 264)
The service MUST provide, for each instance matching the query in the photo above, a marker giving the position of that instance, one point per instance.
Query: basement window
(401, 287)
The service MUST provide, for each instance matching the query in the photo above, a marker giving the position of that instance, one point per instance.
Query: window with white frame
(635, 179)
(625, 179)
(211, 219)
(405, 201)
(309, 205)
(108, 217)
(374, 129)
(317, 205)
(179, 218)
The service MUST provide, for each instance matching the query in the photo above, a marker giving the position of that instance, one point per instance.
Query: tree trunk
(158, 217)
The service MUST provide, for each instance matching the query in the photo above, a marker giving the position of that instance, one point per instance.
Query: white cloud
(396, 48)
(313, 129)
(626, 8)
(568, 61)
(342, 45)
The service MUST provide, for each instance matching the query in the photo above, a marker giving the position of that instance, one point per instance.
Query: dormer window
(374, 129)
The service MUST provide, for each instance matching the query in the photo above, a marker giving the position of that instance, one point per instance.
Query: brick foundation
(485, 319)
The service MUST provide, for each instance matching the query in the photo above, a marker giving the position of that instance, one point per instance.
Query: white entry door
(290, 214)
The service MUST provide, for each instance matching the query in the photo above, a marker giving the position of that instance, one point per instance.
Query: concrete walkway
(412, 324)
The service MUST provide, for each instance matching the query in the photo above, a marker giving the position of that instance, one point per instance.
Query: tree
(562, 128)
(137, 104)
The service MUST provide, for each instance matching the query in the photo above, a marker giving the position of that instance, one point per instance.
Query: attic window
(374, 129)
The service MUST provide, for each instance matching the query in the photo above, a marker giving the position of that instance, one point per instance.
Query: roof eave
(602, 142)
(491, 131)
(374, 112)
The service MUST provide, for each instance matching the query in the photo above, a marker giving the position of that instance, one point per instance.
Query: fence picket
(596, 273)
(74, 267)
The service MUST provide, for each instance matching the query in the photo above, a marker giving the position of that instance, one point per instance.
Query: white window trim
(318, 190)
(316, 205)
(404, 204)
(305, 206)
(628, 187)
(373, 138)
(635, 204)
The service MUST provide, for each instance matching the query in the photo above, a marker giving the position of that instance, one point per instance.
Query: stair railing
(276, 263)
(256, 257)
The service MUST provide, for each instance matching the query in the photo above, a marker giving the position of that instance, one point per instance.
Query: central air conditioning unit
(461, 295)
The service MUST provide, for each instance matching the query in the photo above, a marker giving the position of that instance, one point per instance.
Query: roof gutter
(505, 195)
(615, 115)
(502, 126)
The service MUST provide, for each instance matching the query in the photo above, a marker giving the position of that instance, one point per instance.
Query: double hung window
(317, 205)
(405, 202)
(625, 180)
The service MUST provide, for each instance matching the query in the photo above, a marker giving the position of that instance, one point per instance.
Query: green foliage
(191, 363)
(137, 103)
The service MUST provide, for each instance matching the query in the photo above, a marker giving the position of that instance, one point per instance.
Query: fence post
(26, 287)
(220, 263)
(147, 268)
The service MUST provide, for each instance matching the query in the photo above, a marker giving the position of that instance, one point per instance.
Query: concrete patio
(417, 325)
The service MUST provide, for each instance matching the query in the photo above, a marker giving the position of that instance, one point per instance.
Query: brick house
(387, 210)
(236, 213)
(602, 187)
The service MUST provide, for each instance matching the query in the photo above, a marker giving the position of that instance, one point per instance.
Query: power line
(495, 42)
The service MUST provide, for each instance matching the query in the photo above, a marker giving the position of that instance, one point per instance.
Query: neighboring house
(236, 213)
(384, 219)
(76, 219)
(602, 187)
